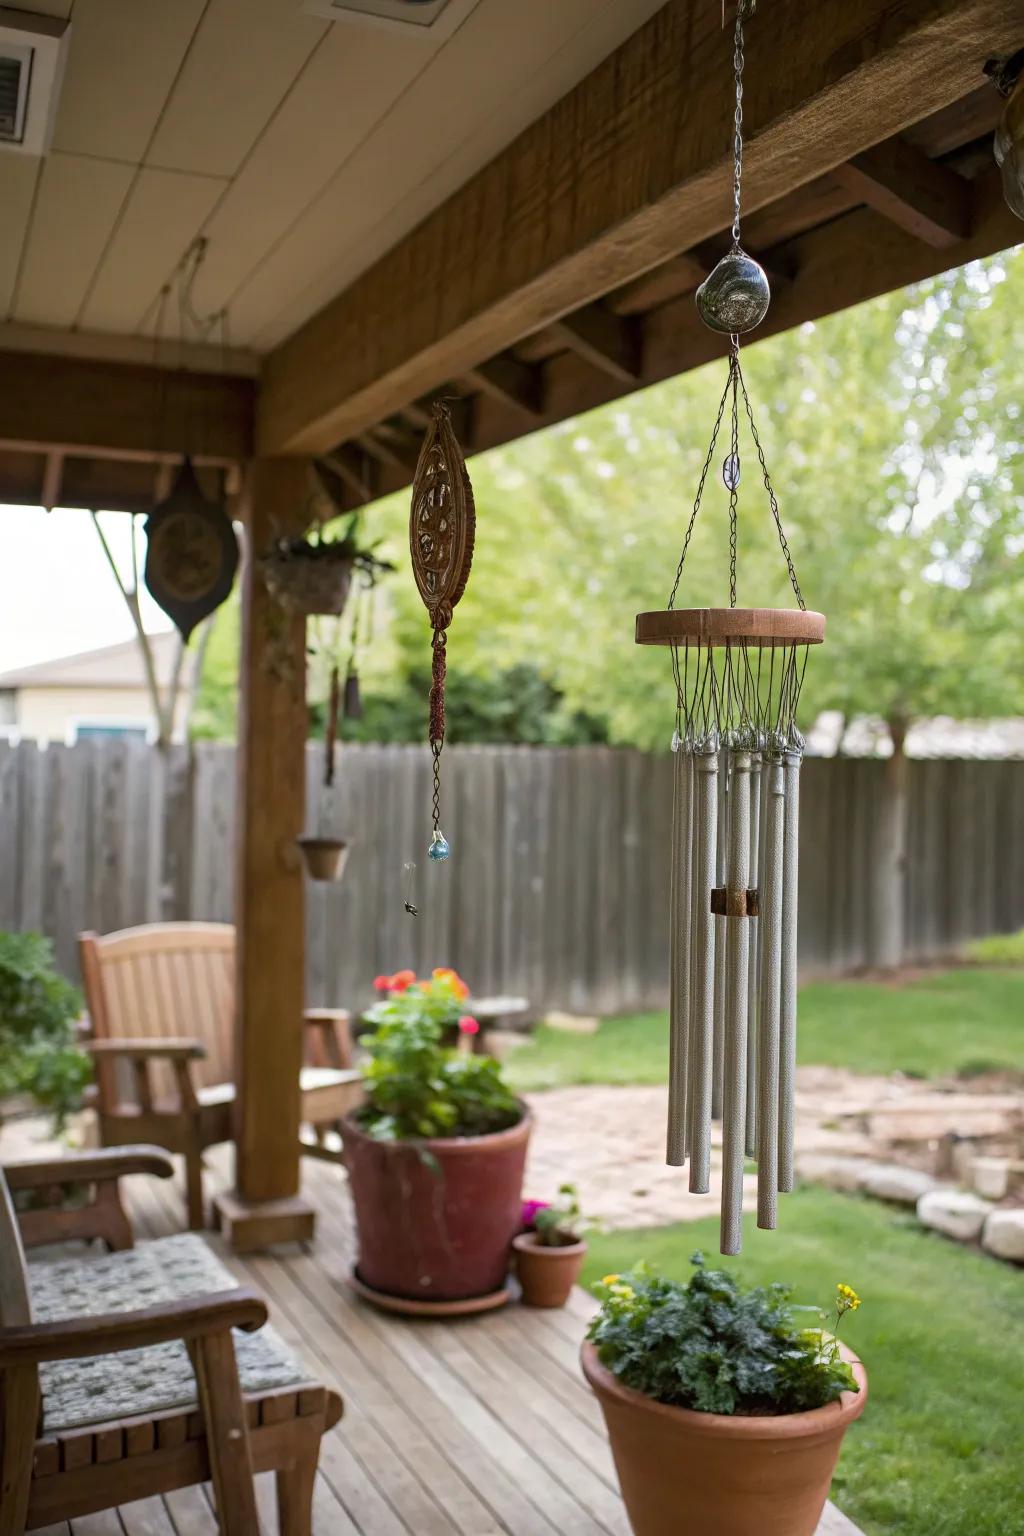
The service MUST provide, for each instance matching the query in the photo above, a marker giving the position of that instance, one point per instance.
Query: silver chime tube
(770, 924)
(702, 975)
(737, 955)
(755, 880)
(718, 925)
(787, 982)
(679, 980)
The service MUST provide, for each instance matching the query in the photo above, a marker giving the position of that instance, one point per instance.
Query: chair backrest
(164, 980)
(15, 1306)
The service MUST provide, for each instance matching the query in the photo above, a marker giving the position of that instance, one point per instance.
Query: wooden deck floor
(474, 1428)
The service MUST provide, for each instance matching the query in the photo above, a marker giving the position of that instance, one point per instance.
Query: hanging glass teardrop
(439, 848)
(734, 298)
(731, 471)
(677, 741)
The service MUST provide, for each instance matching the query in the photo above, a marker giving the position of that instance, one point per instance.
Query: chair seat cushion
(156, 1379)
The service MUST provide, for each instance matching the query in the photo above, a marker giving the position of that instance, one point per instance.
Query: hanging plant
(313, 573)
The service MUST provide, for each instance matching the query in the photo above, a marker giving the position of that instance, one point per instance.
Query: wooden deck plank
(480, 1428)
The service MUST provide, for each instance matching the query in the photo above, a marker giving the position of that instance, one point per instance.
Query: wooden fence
(557, 884)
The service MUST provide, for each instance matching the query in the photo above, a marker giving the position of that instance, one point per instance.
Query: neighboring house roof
(112, 666)
(938, 737)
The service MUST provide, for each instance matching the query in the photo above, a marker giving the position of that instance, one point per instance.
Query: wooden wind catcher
(442, 531)
(737, 673)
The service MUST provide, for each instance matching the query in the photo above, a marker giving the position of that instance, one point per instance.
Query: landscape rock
(572, 1023)
(991, 1176)
(843, 1173)
(891, 1181)
(1004, 1235)
(955, 1212)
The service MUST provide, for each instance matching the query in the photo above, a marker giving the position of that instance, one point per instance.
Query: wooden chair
(62, 1453)
(161, 1004)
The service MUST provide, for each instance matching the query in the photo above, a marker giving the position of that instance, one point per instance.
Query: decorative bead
(731, 471)
(439, 848)
(734, 297)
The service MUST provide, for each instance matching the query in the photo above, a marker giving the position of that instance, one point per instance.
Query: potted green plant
(724, 1411)
(435, 1154)
(38, 1010)
(550, 1248)
(313, 574)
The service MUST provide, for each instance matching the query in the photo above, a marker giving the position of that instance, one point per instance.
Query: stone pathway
(610, 1141)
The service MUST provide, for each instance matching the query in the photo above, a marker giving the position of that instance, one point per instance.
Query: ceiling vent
(32, 51)
(430, 18)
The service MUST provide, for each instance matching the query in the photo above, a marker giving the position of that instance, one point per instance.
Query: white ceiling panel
(123, 59)
(349, 84)
(76, 208)
(505, 67)
(18, 175)
(164, 212)
(245, 56)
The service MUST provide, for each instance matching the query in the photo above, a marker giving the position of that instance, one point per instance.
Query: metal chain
(737, 133)
(734, 451)
(700, 491)
(435, 747)
(773, 503)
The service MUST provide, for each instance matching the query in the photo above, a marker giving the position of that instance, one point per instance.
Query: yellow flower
(609, 1279)
(847, 1298)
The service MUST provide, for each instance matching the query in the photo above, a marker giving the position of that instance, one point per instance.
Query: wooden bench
(85, 1426)
(161, 1005)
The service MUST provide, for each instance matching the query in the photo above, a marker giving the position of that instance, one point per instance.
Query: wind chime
(442, 530)
(736, 784)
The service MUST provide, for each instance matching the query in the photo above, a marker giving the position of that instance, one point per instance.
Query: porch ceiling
(515, 210)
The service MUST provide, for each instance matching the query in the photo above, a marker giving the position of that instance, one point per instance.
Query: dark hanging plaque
(192, 553)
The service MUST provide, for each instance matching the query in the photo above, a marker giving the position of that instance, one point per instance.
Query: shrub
(38, 1009)
(418, 1087)
(712, 1346)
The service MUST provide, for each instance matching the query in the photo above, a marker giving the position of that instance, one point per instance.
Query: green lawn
(960, 1021)
(940, 1449)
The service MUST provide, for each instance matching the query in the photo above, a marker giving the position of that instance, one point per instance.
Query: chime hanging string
(438, 673)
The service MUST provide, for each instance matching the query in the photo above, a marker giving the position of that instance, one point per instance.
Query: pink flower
(468, 1025)
(528, 1212)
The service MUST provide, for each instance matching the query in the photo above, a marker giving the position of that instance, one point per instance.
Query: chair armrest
(89, 1167)
(330, 1037)
(184, 1049)
(79, 1338)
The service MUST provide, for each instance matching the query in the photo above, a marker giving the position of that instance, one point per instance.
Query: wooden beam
(919, 195)
(517, 384)
(611, 343)
(270, 893)
(642, 146)
(123, 410)
(855, 257)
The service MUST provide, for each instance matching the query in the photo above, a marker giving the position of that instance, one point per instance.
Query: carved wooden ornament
(192, 552)
(442, 521)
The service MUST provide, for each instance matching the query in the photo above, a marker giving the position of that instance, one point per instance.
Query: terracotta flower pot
(436, 1219)
(546, 1275)
(690, 1474)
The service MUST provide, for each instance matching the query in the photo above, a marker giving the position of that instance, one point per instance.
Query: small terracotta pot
(436, 1219)
(546, 1275)
(690, 1474)
(324, 857)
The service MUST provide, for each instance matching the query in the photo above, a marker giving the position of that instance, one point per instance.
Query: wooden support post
(266, 1206)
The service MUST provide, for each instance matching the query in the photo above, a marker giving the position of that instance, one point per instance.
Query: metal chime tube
(770, 923)
(737, 953)
(718, 924)
(753, 879)
(679, 980)
(787, 983)
(702, 978)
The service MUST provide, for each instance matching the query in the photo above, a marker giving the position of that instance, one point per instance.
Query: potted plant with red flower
(724, 1410)
(435, 1153)
(550, 1248)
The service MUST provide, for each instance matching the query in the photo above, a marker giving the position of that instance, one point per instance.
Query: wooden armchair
(161, 1004)
(192, 1402)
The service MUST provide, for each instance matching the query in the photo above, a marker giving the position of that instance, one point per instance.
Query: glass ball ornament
(439, 847)
(1009, 149)
(734, 298)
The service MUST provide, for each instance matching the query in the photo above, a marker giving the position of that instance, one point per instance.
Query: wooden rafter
(643, 143)
(920, 195)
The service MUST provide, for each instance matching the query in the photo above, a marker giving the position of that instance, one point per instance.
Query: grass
(962, 1021)
(940, 1448)
(998, 949)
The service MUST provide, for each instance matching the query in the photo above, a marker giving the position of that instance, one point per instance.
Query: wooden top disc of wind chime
(442, 532)
(720, 626)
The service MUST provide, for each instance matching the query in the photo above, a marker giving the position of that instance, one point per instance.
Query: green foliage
(713, 1346)
(939, 1448)
(939, 1025)
(416, 1087)
(38, 1009)
(998, 949)
(561, 1222)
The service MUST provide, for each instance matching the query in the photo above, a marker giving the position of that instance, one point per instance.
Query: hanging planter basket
(324, 857)
(308, 578)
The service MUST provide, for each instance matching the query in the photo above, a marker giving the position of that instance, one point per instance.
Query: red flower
(401, 981)
(382, 983)
(468, 1025)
